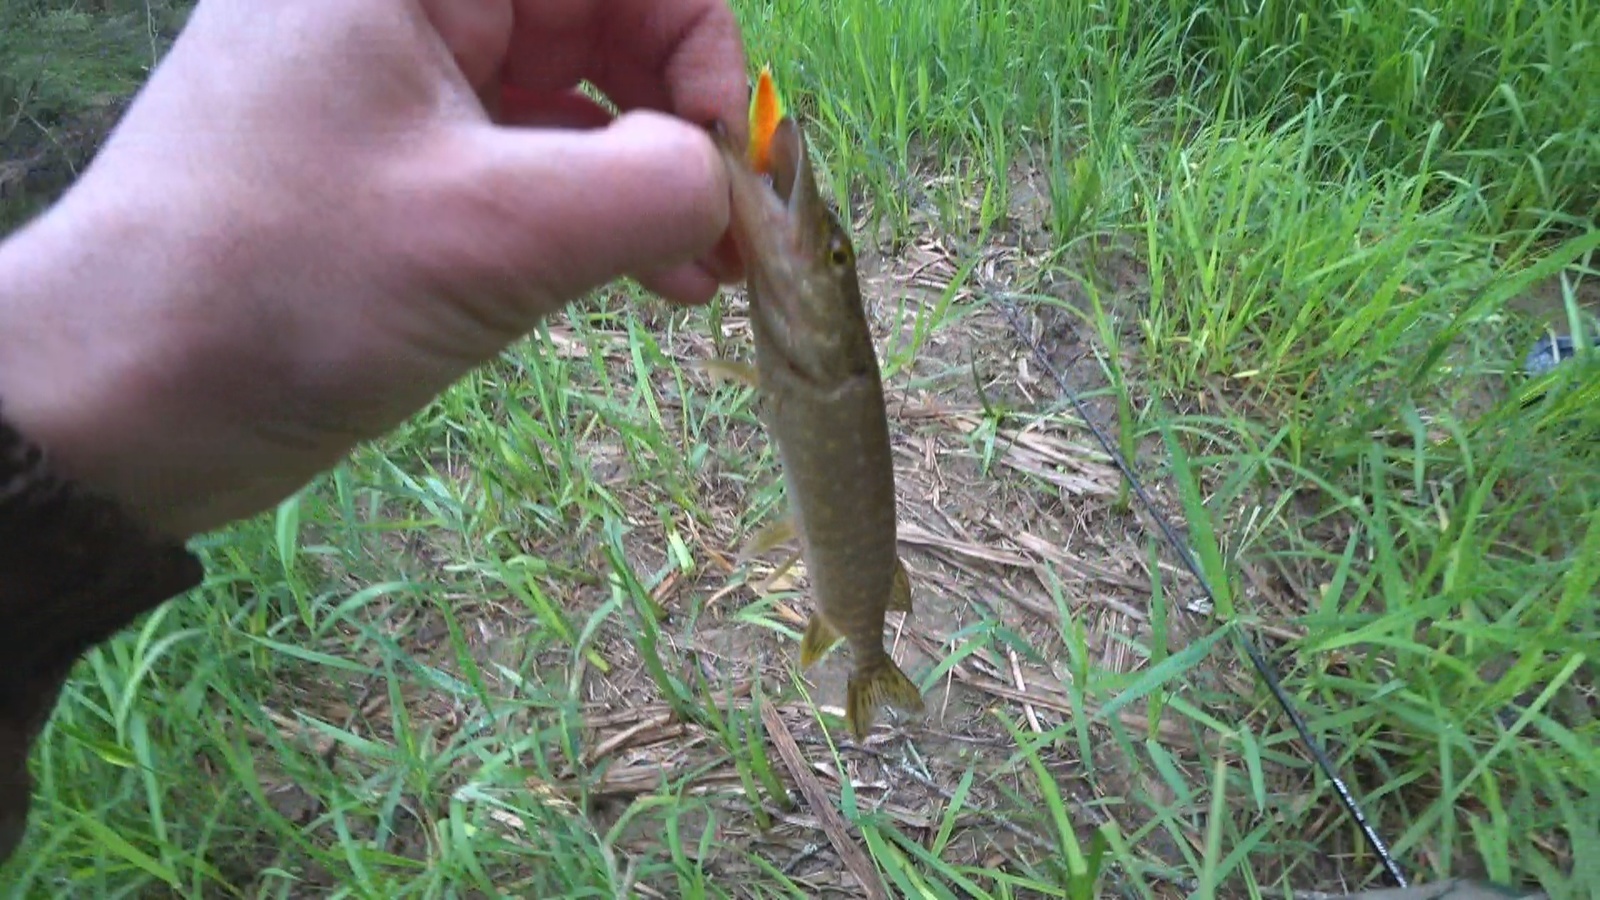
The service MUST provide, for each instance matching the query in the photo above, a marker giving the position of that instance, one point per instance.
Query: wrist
(74, 569)
(81, 359)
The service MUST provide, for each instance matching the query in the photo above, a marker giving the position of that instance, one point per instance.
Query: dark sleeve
(74, 570)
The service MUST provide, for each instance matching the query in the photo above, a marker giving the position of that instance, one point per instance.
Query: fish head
(800, 263)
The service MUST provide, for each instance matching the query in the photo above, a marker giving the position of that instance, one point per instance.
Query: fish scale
(822, 402)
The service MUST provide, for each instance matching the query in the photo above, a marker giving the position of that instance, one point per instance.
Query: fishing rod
(1346, 797)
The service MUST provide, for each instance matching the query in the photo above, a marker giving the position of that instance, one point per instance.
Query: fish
(816, 373)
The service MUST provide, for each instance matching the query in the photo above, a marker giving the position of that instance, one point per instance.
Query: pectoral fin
(900, 591)
(774, 534)
(783, 567)
(731, 370)
(817, 641)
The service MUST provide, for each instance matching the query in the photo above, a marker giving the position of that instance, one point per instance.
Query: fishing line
(1262, 667)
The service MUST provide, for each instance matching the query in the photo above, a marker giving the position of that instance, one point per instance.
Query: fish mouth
(771, 220)
(767, 203)
(784, 149)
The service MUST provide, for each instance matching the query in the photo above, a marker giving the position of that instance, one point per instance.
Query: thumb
(575, 209)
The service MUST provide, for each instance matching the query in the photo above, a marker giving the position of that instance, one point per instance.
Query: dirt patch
(1545, 304)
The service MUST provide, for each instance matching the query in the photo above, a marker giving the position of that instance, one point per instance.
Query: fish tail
(874, 685)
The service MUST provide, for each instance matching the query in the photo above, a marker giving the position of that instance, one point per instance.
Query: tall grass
(1326, 213)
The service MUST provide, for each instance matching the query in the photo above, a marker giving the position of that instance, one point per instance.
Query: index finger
(683, 57)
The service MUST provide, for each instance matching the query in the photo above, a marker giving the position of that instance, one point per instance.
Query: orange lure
(766, 110)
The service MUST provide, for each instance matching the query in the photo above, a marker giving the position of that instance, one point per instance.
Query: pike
(817, 374)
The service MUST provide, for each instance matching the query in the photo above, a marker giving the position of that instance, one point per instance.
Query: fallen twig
(833, 824)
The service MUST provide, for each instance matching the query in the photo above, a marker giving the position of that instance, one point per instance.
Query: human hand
(312, 221)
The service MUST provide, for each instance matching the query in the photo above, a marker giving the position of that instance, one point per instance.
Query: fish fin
(730, 370)
(785, 566)
(872, 687)
(766, 110)
(773, 534)
(900, 591)
(817, 641)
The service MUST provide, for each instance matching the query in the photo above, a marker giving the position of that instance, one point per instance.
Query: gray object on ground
(1452, 889)
(1549, 352)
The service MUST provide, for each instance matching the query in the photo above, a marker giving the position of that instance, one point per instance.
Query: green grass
(1301, 239)
(64, 70)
